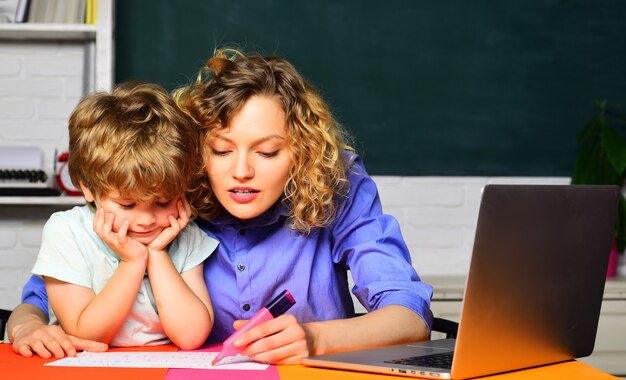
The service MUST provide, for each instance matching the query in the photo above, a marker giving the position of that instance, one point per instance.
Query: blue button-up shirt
(259, 258)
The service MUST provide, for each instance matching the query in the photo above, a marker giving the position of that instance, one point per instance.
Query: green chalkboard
(484, 87)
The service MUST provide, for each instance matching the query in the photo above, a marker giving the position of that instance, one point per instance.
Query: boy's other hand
(168, 234)
(48, 341)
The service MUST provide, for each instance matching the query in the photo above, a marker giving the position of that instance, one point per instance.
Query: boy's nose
(145, 219)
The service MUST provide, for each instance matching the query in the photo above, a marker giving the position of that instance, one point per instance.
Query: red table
(13, 366)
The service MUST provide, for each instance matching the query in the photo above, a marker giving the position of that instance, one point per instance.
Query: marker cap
(279, 305)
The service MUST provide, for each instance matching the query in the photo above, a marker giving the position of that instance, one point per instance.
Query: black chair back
(4, 317)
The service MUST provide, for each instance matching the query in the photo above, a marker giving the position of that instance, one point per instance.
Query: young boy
(127, 268)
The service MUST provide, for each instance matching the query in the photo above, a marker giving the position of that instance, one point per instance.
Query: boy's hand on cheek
(168, 234)
(127, 248)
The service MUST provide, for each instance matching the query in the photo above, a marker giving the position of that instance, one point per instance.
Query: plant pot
(611, 270)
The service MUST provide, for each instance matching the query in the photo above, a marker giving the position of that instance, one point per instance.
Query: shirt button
(241, 267)
(246, 307)
(242, 231)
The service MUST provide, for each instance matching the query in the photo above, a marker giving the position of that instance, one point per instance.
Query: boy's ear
(86, 193)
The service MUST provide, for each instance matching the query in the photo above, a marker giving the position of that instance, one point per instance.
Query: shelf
(44, 201)
(33, 31)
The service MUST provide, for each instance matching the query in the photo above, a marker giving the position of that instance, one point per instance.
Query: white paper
(179, 359)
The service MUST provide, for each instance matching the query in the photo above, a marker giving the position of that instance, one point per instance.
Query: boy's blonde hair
(316, 142)
(135, 141)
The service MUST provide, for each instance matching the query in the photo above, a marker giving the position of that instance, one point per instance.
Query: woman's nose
(242, 168)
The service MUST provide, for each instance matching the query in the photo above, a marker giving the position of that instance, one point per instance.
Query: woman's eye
(269, 154)
(216, 152)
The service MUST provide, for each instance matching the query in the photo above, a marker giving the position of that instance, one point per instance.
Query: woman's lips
(241, 195)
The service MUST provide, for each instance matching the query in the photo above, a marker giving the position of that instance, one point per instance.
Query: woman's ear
(87, 193)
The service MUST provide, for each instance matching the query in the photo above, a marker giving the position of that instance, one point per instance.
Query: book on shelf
(55, 11)
(49, 11)
(37, 11)
(7, 11)
(21, 12)
(91, 11)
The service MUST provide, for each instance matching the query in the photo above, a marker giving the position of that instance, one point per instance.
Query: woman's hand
(168, 234)
(285, 340)
(282, 340)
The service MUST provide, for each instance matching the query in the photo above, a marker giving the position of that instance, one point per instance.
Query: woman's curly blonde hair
(317, 180)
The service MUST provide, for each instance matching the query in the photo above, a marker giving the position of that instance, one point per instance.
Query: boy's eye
(127, 206)
(164, 203)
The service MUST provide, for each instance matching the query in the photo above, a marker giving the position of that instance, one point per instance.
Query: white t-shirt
(72, 252)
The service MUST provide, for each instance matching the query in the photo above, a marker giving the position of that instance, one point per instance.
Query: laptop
(533, 292)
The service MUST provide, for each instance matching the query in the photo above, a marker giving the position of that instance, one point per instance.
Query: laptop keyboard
(443, 360)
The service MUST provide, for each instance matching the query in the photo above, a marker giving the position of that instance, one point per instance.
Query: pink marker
(278, 306)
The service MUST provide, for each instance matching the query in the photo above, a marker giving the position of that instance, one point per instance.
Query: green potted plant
(601, 160)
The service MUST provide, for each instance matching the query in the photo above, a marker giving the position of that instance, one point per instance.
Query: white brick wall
(40, 84)
(438, 216)
(20, 237)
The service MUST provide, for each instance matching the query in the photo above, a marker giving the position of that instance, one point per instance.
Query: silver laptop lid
(536, 277)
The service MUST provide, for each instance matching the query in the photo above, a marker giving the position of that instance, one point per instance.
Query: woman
(293, 208)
